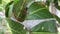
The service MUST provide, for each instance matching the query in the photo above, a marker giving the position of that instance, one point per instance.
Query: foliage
(0, 1)
(19, 11)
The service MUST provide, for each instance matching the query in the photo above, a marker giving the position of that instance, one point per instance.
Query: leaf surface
(46, 26)
(19, 9)
(15, 27)
(38, 11)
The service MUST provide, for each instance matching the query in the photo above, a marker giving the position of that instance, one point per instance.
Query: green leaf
(38, 11)
(15, 27)
(7, 8)
(0, 1)
(42, 33)
(46, 26)
(19, 9)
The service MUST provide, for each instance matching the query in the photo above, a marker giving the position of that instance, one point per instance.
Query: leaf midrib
(33, 12)
(21, 7)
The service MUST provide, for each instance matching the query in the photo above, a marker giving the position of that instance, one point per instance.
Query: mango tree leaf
(15, 27)
(38, 11)
(46, 26)
(19, 9)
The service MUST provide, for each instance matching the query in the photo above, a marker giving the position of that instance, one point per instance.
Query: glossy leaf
(35, 12)
(15, 27)
(19, 10)
(38, 11)
(46, 26)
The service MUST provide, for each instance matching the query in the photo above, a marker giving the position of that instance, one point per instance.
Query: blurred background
(3, 23)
